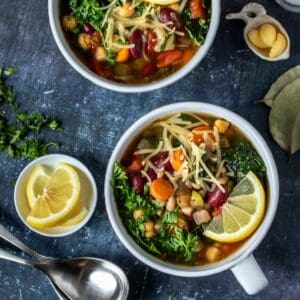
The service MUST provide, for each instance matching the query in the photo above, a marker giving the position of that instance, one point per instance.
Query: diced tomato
(168, 58)
(197, 10)
(135, 165)
(149, 69)
(151, 42)
(100, 69)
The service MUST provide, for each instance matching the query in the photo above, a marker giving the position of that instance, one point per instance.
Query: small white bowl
(88, 192)
(74, 61)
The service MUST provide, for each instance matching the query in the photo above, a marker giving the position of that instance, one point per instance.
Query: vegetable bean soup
(135, 41)
(190, 189)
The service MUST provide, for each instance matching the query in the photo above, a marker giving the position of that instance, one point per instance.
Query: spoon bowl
(87, 278)
(81, 278)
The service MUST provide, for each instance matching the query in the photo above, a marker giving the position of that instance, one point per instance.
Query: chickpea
(69, 23)
(149, 234)
(84, 41)
(221, 125)
(138, 213)
(149, 226)
(212, 254)
(126, 10)
(183, 200)
(100, 54)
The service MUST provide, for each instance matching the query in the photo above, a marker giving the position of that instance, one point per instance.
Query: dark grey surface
(94, 120)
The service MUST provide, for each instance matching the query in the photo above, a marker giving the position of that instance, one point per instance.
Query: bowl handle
(250, 276)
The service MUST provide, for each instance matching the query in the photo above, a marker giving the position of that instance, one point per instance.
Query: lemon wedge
(75, 217)
(241, 214)
(52, 195)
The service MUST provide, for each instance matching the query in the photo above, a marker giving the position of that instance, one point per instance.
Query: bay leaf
(285, 79)
(284, 118)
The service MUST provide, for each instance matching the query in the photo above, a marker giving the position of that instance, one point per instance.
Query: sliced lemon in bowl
(75, 216)
(52, 194)
(241, 214)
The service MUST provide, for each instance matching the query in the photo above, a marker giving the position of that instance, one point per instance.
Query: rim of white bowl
(74, 162)
(73, 60)
(249, 246)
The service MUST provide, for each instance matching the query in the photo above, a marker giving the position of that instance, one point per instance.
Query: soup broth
(135, 41)
(190, 189)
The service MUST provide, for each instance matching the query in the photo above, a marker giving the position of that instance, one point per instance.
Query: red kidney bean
(151, 174)
(136, 38)
(216, 198)
(149, 69)
(137, 182)
(168, 15)
(88, 28)
(160, 162)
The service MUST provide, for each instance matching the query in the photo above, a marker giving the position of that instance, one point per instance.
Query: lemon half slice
(162, 2)
(241, 214)
(52, 195)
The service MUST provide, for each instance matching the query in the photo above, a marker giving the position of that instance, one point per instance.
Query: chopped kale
(242, 158)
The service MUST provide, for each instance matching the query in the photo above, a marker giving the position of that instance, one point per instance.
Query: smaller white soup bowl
(80, 67)
(241, 262)
(88, 193)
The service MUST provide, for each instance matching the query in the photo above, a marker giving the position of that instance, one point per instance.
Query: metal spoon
(79, 278)
(10, 238)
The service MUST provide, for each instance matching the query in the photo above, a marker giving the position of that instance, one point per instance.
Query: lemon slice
(162, 2)
(241, 214)
(75, 217)
(52, 195)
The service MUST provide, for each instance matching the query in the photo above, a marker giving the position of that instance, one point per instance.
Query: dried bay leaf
(284, 119)
(285, 79)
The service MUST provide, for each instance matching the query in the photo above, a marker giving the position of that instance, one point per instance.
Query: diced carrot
(123, 55)
(161, 189)
(187, 55)
(197, 9)
(135, 166)
(168, 58)
(198, 134)
(177, 159)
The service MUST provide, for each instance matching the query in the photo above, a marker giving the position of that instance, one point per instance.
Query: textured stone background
(94, 120)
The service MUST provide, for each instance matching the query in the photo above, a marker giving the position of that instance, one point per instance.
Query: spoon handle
(10, 238)
(8, 256)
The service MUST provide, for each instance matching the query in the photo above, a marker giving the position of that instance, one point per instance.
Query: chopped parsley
(170, 240)
(19, 129)
(88, 12)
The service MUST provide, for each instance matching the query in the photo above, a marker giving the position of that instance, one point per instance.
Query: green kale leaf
(242, 158)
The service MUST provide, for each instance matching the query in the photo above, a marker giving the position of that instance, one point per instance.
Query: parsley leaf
(88, 12)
